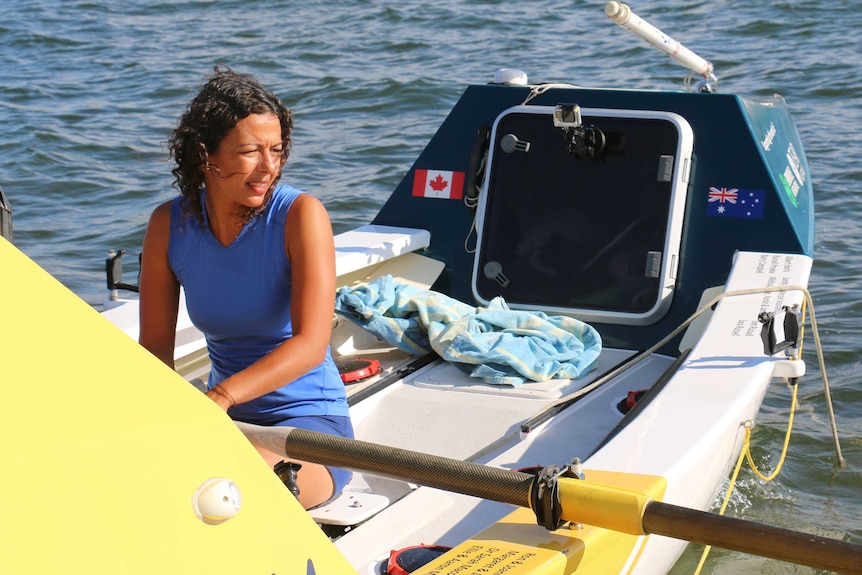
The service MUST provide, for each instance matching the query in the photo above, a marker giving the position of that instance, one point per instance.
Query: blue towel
(494, 344)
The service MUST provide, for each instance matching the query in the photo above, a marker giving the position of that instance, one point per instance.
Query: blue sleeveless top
(239, 297)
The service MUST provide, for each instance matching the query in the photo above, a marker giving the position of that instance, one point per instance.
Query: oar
(580, 501)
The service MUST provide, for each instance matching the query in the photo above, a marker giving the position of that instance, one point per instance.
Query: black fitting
(780, 331)
(478, 157)
(545, 495)
(5, 218)
(286, 471)
(114, 272)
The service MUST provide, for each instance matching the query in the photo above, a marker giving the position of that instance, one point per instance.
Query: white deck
(369, 245)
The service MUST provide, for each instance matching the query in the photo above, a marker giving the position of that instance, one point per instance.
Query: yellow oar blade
(106, 452)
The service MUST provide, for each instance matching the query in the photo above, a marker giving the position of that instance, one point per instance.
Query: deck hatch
(591, 237)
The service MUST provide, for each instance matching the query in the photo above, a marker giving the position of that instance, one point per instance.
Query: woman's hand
(221, 397)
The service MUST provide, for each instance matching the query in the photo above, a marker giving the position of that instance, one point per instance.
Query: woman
(257, 263)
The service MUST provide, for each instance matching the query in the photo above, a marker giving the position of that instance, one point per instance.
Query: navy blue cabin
(617, 207)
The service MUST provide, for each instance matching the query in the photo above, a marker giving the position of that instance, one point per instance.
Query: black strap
(545, 495)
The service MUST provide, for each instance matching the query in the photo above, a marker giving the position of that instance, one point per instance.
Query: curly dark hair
(224, 100)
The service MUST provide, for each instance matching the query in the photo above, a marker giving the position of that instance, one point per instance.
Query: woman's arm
(310, 248)
(159, 289)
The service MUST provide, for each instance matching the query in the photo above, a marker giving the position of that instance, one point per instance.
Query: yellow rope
(730, 487)
(745, 452)
(746, 446)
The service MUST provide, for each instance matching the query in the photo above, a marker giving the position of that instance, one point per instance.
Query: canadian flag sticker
(438, 184)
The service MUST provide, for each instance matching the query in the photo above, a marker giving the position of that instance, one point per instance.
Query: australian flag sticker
(736, 203)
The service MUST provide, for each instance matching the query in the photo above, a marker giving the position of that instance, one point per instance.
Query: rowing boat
(629, 271)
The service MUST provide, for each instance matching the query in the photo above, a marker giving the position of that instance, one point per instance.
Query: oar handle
(750, 537)
(492, 483)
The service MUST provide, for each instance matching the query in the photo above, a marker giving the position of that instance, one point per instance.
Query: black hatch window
(583, 226)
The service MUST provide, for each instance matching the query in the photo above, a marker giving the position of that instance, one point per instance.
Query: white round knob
(216, 500)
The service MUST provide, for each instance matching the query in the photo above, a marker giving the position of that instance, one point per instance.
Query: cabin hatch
(594, 234)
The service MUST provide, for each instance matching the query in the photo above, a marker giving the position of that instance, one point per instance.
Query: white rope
(664, 341)
(539, 89)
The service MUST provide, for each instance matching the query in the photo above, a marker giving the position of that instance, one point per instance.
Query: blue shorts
(332, 425)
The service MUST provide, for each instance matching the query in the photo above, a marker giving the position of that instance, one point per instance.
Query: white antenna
(622, 15)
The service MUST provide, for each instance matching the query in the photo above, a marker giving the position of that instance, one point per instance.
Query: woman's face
(247, 162)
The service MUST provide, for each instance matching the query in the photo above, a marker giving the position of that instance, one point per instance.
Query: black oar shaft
(750, 537)
(582, 501)
(463, 477)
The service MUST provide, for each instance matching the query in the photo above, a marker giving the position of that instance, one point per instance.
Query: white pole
(621, 14)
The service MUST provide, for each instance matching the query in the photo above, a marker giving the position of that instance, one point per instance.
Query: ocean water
(89, 91)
